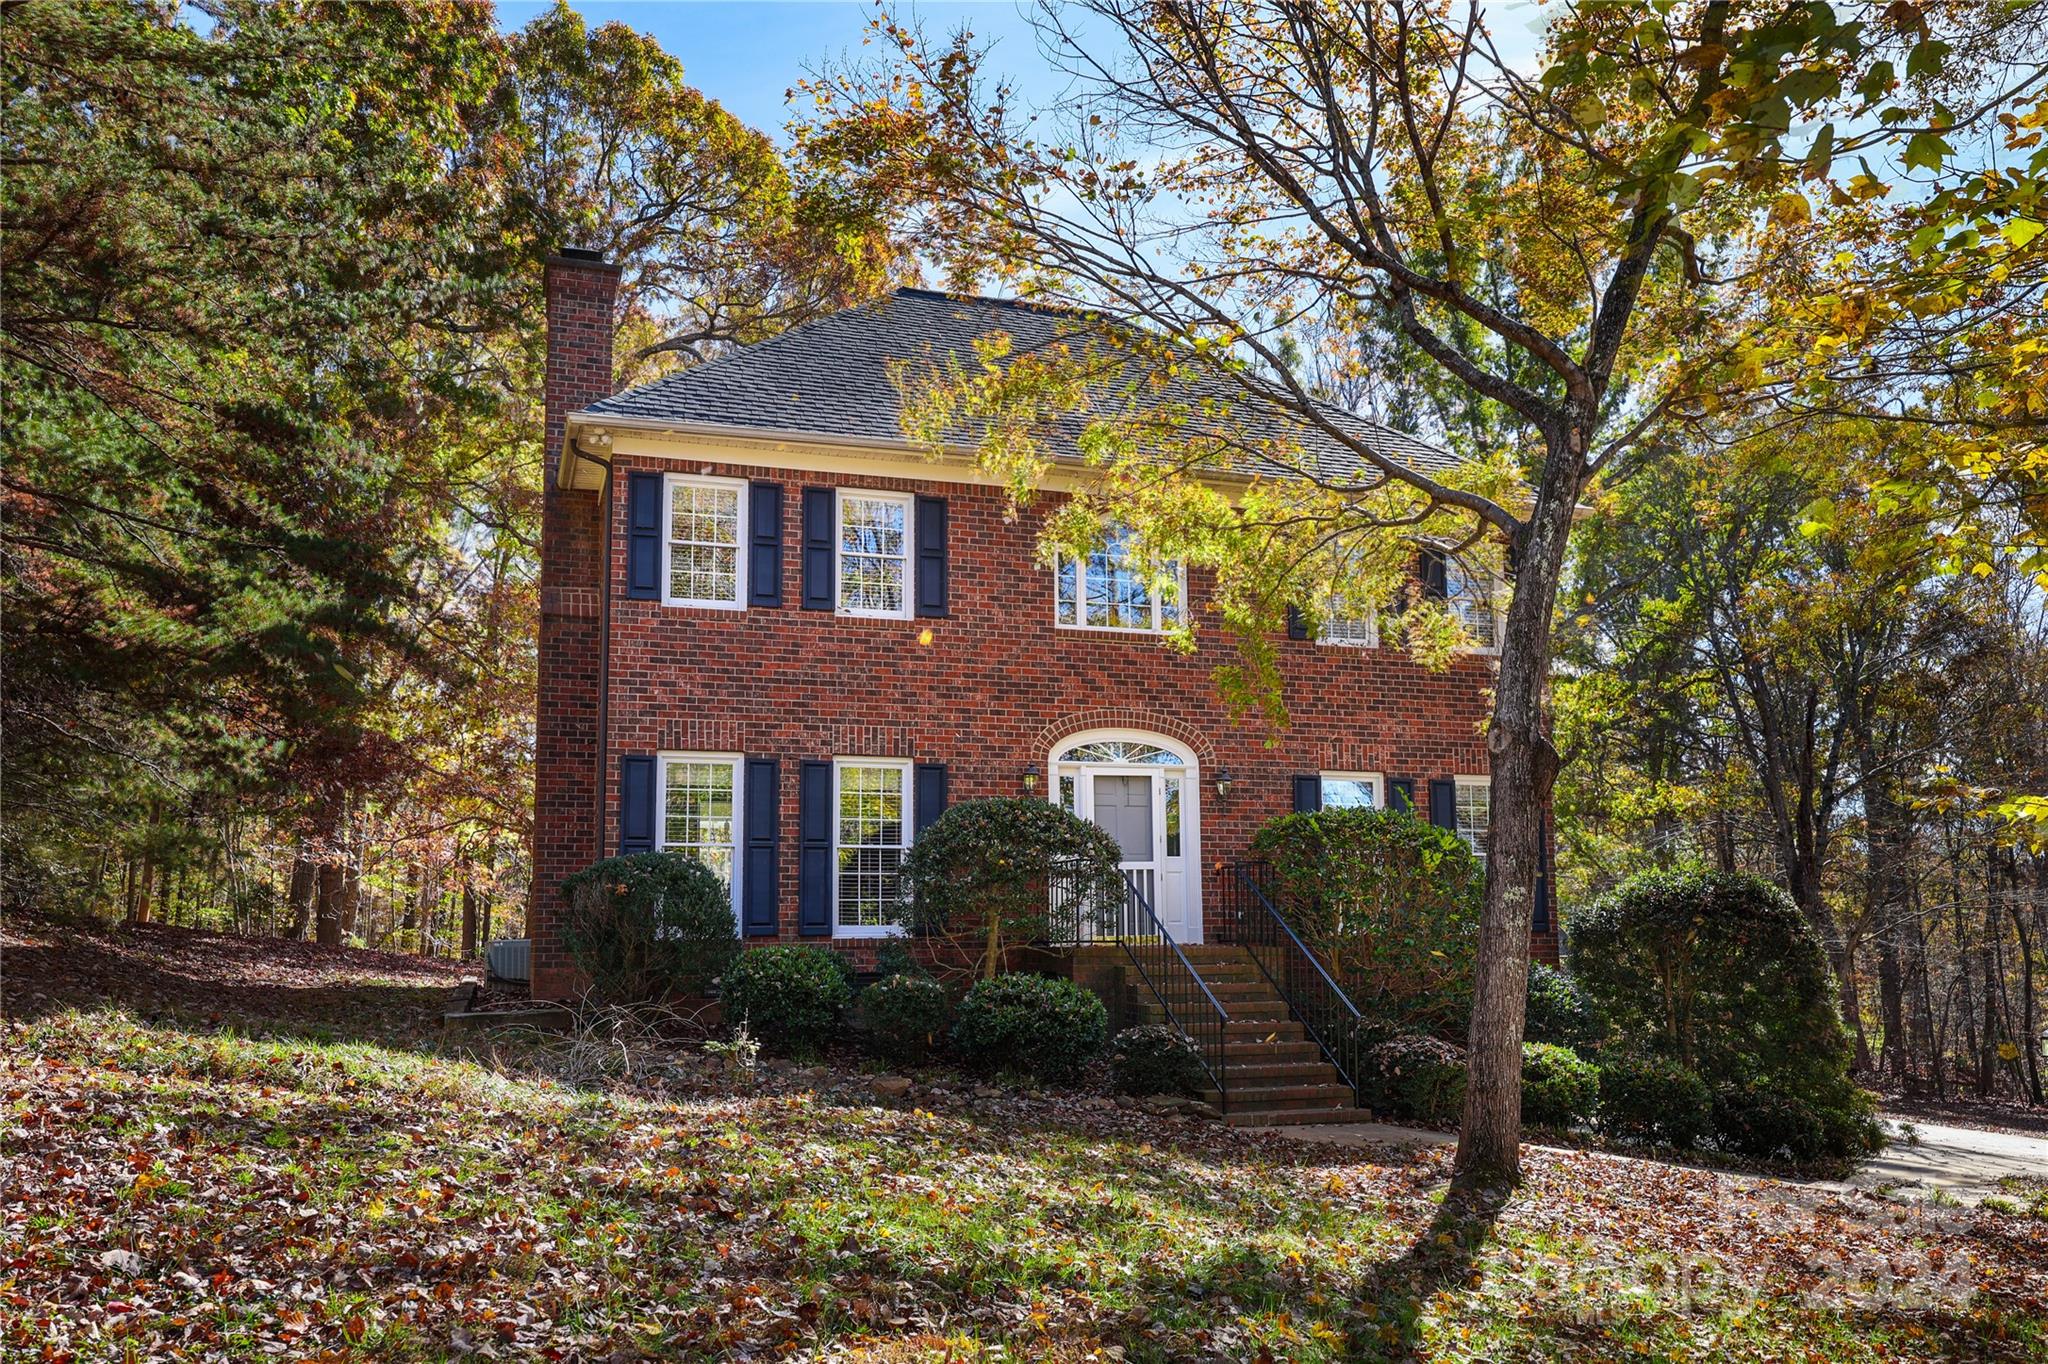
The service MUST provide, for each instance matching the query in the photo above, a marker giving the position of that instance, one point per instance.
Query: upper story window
(874, 553)
(1349, 627)
(706, 566)
(1475, 813)
(1111, 590)
(1473, 596)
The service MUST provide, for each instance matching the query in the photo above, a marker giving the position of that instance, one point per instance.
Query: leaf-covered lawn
(179, 1188)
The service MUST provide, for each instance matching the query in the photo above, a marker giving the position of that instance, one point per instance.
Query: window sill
(842, 933)
(683, 604)
(841, 613)
(1154, 631)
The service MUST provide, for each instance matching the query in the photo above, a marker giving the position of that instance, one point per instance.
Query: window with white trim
(700, 810)
(706, 565)
(1349, 631)
(874, 553)
(1351, 790)
(871, 831)
(1475, 813)
(1472, 595)
(1111, 590)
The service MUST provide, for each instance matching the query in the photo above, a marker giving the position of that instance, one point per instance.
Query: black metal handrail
(1312, 995)
(1083, 908)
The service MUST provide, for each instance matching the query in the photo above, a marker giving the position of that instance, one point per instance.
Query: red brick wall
(998, 685)
(567, 792)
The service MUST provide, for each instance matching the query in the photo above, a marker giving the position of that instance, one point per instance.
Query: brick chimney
(582, 291)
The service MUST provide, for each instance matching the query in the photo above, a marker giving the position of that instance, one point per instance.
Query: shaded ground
(1963, 1162)
(1990, 1115)
(180, 1189)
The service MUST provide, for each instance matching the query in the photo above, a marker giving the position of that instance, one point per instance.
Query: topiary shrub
(649, 925)
(1560, 1012)
(791, 998)
(1653, 1100)
(976, 879)
(1155, 1059)
(906, 1015)
(1559, 1089)
(1044, 1027)
(1390, 902)
(1417, 1076)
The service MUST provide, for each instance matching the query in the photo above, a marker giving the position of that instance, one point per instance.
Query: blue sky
(747, 53)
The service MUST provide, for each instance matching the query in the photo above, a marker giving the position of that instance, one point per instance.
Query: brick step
(1285, 1097)
(1240, 1010)
(1214, 971)
(1281, 1072)
(1296, 1117)
(1239, 989)
(1255, 1052)
(1265, 1030)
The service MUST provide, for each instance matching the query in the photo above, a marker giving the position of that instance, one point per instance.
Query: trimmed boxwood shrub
(649, 925)
(1653, 1100)
(790, 998)
(1153, 1058)
(906, 1015)
(1390, 902)
(1560, 1012)
(976, 878)
(1044, 1027)
(1417, 1076)
(1558, 1088)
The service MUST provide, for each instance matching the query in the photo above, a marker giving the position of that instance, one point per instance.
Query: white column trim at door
(1190, 870)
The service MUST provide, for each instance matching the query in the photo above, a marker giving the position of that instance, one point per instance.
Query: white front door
(1147, 811)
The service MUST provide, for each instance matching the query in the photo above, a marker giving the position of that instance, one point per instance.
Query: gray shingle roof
(830, 378)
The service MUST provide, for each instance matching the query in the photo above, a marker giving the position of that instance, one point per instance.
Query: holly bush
(648, 925)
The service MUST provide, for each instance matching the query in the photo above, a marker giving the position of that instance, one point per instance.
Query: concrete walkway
(1962, 1162)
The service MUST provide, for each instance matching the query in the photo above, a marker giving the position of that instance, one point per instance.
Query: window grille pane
(1358, 632)
(1475, 815)
(1470, 593)
(873, 555)
(871, 841)
(1066, 791)
(1173, 816)
(699, 813)
(1067, 592)
(1109, 591)
(1349, 793)
(704, 539)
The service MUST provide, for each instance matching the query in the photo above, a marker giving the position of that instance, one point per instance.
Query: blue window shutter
(814, 850)
(820, 513)
(759, 879)
(1541, 922)
(636, 803)
(1308, 793)
(764, 544)
(931, 796)
(1401, 793)
(643, 536)
(1443, 804)
(1297, 623)
(931, 556)
(1435, 582)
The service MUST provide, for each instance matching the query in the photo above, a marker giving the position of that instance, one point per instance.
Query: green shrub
(1390, 902)
(1653, 1100)
(649, 925)
(1417, 1076)
(1155, 1059)
(906, 1015)
(976, 879)
(1753, 1120)
(1560, 1012)
(791, 998)
(1559, 1089)
(1043, 1027)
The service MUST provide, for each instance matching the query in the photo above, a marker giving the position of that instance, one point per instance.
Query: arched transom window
(1122, 751)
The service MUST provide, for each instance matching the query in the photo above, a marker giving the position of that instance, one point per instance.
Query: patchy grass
(185, 1186)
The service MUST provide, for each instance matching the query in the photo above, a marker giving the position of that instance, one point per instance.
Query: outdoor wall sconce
(1224, 781)
(1030, 781)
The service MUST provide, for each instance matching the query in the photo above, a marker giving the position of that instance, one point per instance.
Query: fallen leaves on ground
(186, 1188)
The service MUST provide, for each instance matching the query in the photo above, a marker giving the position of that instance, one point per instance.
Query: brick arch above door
(1129, 717)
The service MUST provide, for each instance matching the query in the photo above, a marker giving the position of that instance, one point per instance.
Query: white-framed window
(874, 553)
(871, 809)
(1352, 791)
(700, 812)
(704, 562)
(1473, 595)
(1111, 590)
(1475, 813)
(1348, 630)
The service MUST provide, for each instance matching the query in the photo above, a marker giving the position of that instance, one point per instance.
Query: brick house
(775, 634)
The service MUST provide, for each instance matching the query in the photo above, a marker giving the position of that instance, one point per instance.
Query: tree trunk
(468, 912)
(1987, 1052)
(327, 921)
(304, 882)
(1524, 769)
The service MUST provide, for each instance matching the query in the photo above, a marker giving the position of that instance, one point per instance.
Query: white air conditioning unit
(510, 959)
